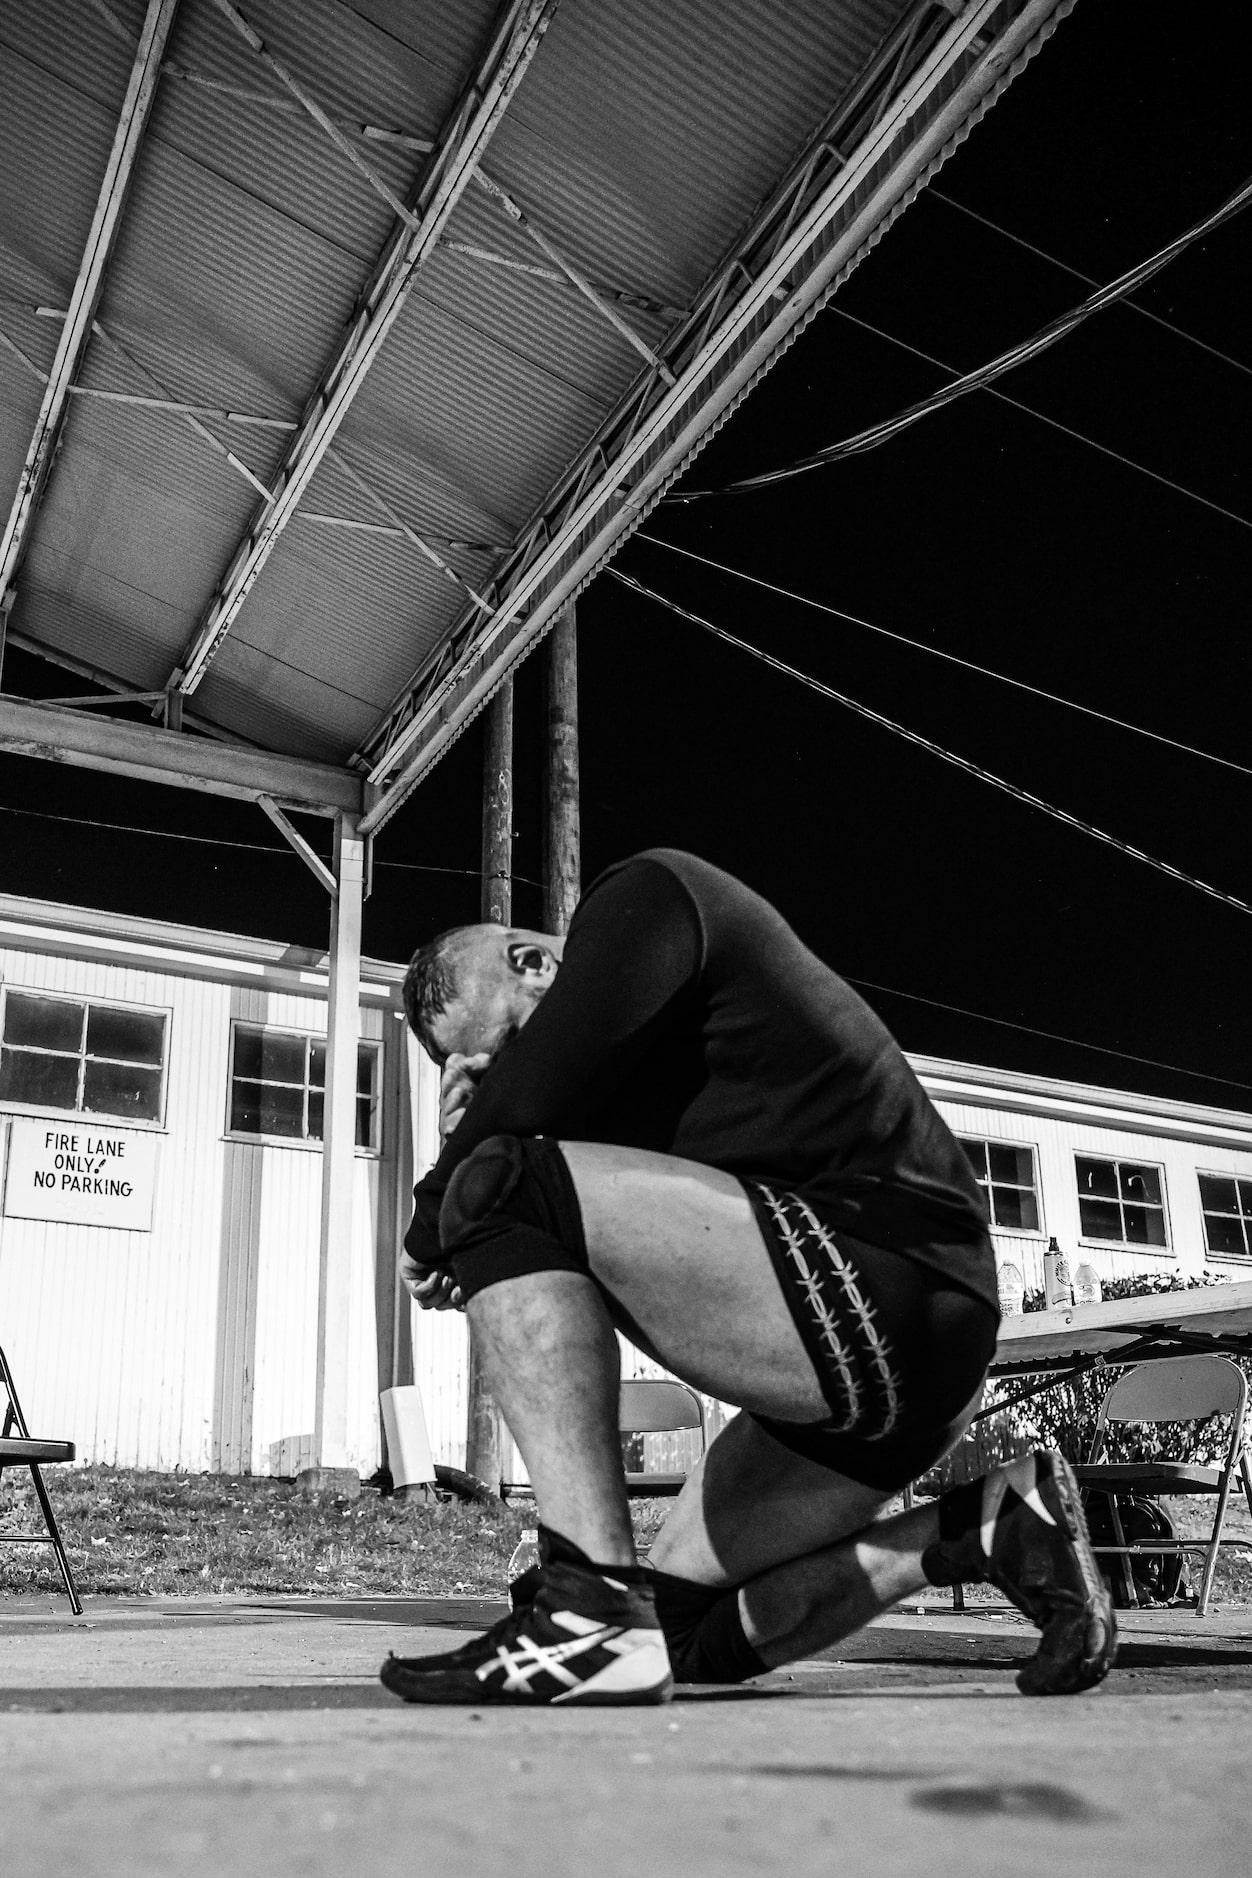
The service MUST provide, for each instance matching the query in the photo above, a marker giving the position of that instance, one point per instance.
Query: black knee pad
(703, 1631)
(511, 1208)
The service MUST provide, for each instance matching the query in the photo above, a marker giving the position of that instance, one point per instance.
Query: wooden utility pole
(562, 827)
(482, 1444)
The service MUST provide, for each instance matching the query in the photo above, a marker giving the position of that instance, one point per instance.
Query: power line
(1054, 423)
(255, 847)
(820, 606)
(1088, 280)
(1005, 1023)
(983, 377)
(936, 749)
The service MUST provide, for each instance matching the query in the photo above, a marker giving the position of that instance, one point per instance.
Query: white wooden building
(160, 1093)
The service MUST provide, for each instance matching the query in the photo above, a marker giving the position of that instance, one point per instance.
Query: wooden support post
(335, 1461)
(482, 1445)
(563, 844)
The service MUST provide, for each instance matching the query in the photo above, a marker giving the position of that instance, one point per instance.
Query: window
(1227, 1205)
(1122, 1201)
(1006, 1176)
(95, 1059)
(278, 1083)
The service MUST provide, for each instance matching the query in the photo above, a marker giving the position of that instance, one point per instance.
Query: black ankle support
(556, 1549)
(958, 1557)
(704, 1631)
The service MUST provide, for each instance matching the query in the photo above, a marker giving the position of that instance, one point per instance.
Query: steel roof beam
(82, 668)
(136, 110)
(464, 138)
(165, 756)
(829, 212)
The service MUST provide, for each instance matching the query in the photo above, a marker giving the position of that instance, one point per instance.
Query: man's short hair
(433, 981)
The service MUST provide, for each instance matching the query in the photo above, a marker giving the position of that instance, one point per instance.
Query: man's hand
(461, 1076)
(432, 1287)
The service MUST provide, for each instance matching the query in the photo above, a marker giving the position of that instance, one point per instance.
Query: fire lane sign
(80, 1173)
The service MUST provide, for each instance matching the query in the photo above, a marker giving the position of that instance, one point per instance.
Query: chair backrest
(655, 1405)
(1178, 1389)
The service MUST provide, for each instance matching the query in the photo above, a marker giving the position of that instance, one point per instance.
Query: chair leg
(1210, 1562)
(1123, 1557)
(54, 1531)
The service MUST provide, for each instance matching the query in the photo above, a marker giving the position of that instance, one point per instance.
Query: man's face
(503, 974)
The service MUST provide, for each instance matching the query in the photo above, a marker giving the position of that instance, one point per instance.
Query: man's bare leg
(553, 1360)
(848, 1563)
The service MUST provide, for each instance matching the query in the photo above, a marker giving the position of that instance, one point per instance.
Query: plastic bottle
(1087, 1287)
(1011, 1286)
(1057, 1291)
(525, 1553)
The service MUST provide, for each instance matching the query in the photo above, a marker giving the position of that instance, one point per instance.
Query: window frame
(86, 1002)
(1117, 1162)
(313, 1144)
(1002, 1141)
(1245, 1219)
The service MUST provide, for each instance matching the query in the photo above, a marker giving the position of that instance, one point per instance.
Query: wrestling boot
(589, 1634)
(1022, 1529)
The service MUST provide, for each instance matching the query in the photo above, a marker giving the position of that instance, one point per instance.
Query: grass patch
(130, 1533)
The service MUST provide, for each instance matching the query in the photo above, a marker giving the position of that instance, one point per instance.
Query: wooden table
(1214, 1318)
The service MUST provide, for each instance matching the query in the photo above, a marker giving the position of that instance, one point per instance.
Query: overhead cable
(1088, 280)
(936, 749)
(985, 375)
(854, 619)
(1054, 423)
(1053, 1036)
(253, 847)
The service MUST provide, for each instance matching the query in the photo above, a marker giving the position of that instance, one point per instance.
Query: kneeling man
(680, 1124)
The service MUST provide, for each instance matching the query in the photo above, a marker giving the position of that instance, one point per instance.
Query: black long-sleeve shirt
(688, 1018)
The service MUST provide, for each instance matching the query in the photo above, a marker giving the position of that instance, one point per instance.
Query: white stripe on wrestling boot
(1022, 1475)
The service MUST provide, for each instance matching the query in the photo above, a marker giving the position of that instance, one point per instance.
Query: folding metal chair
(656, 1405)
(23, 1449)
(1174, 1389)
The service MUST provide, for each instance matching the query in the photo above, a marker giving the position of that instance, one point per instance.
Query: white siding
(1057, 1141)
(193, 1345)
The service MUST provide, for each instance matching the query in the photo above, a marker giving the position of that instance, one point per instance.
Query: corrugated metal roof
(641, 141)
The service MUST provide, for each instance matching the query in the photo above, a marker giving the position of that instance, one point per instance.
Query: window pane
(1218, 1196)
(363, 1107)
(976, 1155)
(1224, 1234)
(122, 1089)
(1098, 1178)
(132, 1036)
(1245, 1195)
(262, 1109)
(269, 1056)
(1011, 1164)
(1101, 1219)
(317, 1114)
(1012, 1206)
(1144, 1225)
(1141, 1183)
(28, 1076)
(49, 1023)
(365, 1061)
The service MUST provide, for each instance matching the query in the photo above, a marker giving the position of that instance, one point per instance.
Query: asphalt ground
(229, 1736)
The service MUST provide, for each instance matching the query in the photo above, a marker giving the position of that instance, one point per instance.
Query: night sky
(974, 924)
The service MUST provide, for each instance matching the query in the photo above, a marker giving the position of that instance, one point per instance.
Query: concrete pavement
(232, 1736)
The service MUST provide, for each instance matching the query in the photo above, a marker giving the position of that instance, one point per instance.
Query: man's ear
(528, 959)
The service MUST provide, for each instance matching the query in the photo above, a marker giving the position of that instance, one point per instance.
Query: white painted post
(334, 1465)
